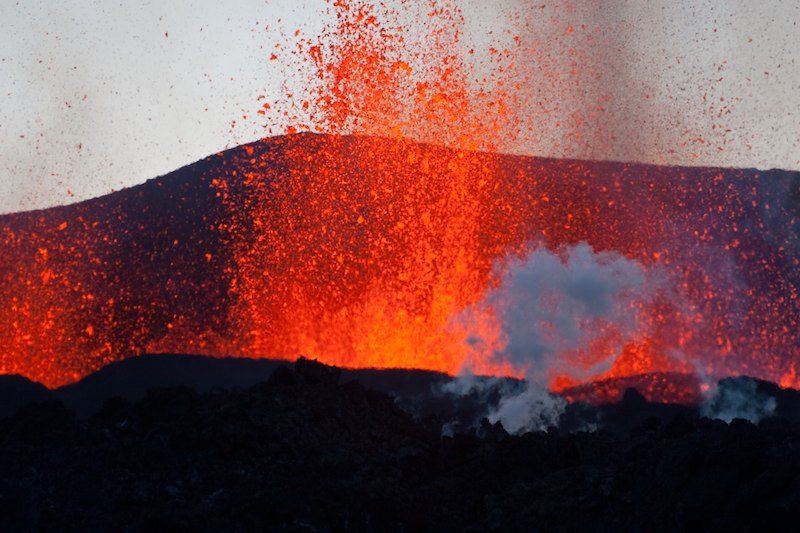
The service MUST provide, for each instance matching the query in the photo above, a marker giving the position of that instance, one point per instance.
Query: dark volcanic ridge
(312, 449)
(421, 393)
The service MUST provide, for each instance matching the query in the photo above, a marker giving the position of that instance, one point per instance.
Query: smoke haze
(98, 96)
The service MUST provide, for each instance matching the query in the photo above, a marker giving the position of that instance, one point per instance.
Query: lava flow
(377, 250)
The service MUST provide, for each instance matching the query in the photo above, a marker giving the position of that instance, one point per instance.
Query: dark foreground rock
(302, 452)
(18, 391)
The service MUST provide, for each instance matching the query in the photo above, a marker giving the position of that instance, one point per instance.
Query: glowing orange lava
(363, 250)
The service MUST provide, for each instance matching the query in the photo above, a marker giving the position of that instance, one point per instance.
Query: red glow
(361, 251)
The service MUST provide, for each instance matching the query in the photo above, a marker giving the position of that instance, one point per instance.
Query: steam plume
(555, 313)
(555, 310)
(739, 398)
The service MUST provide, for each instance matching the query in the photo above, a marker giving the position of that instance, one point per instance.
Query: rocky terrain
(310, 449)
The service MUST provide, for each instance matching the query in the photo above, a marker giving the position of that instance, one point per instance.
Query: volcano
(388, 322)
(388, 258)
(307, 446)
(360, 251)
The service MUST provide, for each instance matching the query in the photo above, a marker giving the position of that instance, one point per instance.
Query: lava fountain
(374, 245)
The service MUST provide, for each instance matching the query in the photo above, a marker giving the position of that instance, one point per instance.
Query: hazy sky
(98, 95)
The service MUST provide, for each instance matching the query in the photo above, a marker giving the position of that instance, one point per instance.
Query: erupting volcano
(510, 306)
(366, 252)
(373, 245)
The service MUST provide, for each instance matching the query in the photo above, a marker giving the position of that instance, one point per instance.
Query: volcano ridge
(153, 268)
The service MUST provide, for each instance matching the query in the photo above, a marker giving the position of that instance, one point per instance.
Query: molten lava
(366, 251)
(361, 251)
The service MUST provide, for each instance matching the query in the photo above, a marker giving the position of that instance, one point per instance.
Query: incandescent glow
(376, 250)
(364, 252)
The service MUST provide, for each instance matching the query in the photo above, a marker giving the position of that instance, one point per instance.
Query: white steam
(548, 305)
(550, 308)
(738, 398)
(534, 409)
(522, 407)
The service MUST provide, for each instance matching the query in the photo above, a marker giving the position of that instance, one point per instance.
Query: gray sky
(98, 95)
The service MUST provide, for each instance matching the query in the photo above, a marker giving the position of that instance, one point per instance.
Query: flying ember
(386, 229)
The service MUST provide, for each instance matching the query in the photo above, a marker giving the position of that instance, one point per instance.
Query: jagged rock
(490, 431)
(301, 452)
(18, 391)
(315, 372)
